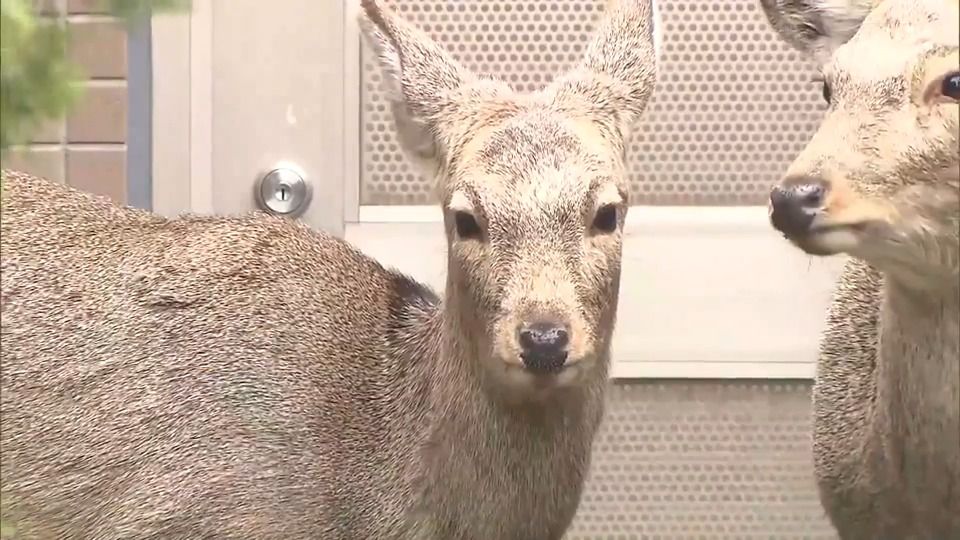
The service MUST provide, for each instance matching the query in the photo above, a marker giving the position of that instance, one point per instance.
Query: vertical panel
(140, 116)
(351, 110)
(201, 107)
(170, 114)
(278, 96)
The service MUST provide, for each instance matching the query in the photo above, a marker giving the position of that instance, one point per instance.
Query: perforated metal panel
(679, 460)
(732, 107)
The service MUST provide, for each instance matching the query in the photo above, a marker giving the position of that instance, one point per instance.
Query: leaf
(35, 77)
(37, 82)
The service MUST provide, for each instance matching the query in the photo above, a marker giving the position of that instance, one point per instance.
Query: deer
(249, 377)
(879, 183)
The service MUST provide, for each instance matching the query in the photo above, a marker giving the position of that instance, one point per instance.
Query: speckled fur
(246, 377)
(887, 392)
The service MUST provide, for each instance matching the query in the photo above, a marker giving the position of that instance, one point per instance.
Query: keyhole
(282, 192)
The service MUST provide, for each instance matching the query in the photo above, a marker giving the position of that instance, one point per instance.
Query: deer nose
(795, 203)
(544, 346)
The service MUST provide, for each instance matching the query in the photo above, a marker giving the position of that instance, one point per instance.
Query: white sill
(706, 292)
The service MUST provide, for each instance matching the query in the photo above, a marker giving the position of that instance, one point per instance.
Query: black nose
(544, 346)
(795, 203)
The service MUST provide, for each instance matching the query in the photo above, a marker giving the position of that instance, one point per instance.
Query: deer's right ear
(424, 84)
(816, 27)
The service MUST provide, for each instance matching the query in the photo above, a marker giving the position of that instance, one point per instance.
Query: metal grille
(733, 104)
(713, 460)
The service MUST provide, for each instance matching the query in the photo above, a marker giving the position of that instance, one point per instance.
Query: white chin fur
(836, 241)
(522, 380)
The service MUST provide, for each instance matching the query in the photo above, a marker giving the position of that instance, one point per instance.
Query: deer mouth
(534, 378)
(819, 228)
(544, 364)
(825, 239)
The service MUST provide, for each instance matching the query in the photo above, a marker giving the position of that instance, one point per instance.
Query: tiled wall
(88, 149)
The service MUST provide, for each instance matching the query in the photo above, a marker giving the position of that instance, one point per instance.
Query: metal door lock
(283, 191)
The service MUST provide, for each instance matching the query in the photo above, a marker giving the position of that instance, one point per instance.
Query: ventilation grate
(732, 107)
(712, 460)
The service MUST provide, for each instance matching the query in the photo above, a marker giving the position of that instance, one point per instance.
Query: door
(242, 87)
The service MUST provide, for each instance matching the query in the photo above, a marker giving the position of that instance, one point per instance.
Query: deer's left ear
(427, 88)
(816, 27)
(617, 75)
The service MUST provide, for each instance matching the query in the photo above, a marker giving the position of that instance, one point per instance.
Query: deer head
(533, 188)
(879, 180)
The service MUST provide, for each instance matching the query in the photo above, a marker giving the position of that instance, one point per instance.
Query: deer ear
(816, 27)
(617, 75)
(422, 81)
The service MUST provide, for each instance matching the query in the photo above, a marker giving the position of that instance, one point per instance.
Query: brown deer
(880, 182)
(247, 377)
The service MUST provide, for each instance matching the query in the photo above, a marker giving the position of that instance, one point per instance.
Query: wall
(88, 149)
(712, 460)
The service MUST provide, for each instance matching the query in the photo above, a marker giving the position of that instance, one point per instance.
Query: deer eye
(605, 220)
(827, 94)
(950, 87)
(467, 226)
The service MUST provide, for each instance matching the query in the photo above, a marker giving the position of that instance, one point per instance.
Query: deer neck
(918, 369)
(483, 455)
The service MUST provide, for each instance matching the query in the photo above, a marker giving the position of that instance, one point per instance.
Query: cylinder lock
(283, 191)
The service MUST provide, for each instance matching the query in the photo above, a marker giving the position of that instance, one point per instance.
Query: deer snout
(795, 203)
(544, 345)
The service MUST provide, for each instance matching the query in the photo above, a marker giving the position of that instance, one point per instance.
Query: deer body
(880, 181)
(246, 377)
(226, 399)
(885, 420)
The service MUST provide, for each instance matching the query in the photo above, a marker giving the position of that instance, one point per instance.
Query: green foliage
(37, 82)
(6, 531)
(134, 10)
(34, 74)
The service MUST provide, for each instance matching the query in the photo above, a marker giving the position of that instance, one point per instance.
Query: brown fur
(887, 392)
(247, 377)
